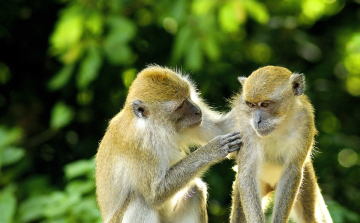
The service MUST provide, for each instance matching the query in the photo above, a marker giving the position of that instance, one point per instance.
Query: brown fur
(261, 83)
(164, 85)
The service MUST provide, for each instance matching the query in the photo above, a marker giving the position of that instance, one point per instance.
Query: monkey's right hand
(222, 145)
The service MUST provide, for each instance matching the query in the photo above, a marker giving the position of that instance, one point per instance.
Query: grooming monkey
(142, 171)
(276, 121)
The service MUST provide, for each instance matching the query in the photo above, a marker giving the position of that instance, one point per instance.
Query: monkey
(276, 124)
(144, 169)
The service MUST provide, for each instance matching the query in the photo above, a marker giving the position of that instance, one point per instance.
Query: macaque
(144, 169)
(276, 122)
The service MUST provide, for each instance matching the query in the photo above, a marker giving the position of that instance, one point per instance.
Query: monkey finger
(233, 149)
(232, 137)
(235, 142)
(233, 133)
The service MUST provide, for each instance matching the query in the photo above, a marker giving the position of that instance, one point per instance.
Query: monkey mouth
(196, 124)
(262, 132)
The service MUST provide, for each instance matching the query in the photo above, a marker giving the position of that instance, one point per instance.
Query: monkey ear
(298, 83)
(242, 80)
(140, 109)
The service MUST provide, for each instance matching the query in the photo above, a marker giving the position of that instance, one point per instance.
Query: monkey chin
(263, 132)
(195, 124)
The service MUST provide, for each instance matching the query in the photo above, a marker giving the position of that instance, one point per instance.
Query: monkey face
(187, 115)
(268, 93)
(181, 114)
(262, 117)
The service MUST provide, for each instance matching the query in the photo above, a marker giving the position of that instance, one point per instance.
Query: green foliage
(7, 204)
(116, 42)
(89, 68)
(61, 78)
(9, 154)
(73, 68)
(342, 214)
(79, 168)
(76, 203)
(61, 115)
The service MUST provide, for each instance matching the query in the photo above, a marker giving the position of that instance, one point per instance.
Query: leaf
(9, 136)
(5, 74)
(61, 78)
(227, 18)
(211, 48)
(12, 155)
(79, 168)
(7, 204)
(68, 29)
(194, 58)
(32, 208)
(340, 213)
(116, 44)
(117, 52)
(87, 211)
(123, 28)
(80, 187)
(257, 11)
(179, 10)
(89, 67)
(95, 23)
(61, 115)
(128, 77)
(36, 185)
(202, 7)
(59, 203)
(181, 40)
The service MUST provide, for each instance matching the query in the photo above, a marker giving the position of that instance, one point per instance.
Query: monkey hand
(222, 145)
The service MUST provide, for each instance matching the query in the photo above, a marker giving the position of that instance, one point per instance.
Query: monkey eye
(250, 105)
(181, 105)
(265, 104)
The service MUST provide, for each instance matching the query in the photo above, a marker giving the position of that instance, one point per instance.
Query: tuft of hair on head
(156, 84)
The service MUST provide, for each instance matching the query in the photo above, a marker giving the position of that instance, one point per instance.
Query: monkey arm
(213, 124)
(286, 192)
(177, 177)
(249, 186)
(181, 173)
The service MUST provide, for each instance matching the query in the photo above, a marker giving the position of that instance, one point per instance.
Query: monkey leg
(140, 212)
(237, 213)
(191, 204)
(310, 205)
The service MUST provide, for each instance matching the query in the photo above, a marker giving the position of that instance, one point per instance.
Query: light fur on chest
(276, 153)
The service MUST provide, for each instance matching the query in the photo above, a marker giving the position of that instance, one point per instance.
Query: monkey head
(163, 97)
(268, 95)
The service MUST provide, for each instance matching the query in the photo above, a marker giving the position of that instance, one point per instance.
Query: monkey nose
(258, 122)
(197, 111)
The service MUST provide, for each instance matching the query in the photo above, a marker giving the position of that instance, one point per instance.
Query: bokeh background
(65, 68)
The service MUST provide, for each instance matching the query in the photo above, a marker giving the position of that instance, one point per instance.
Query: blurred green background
(65, 67)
